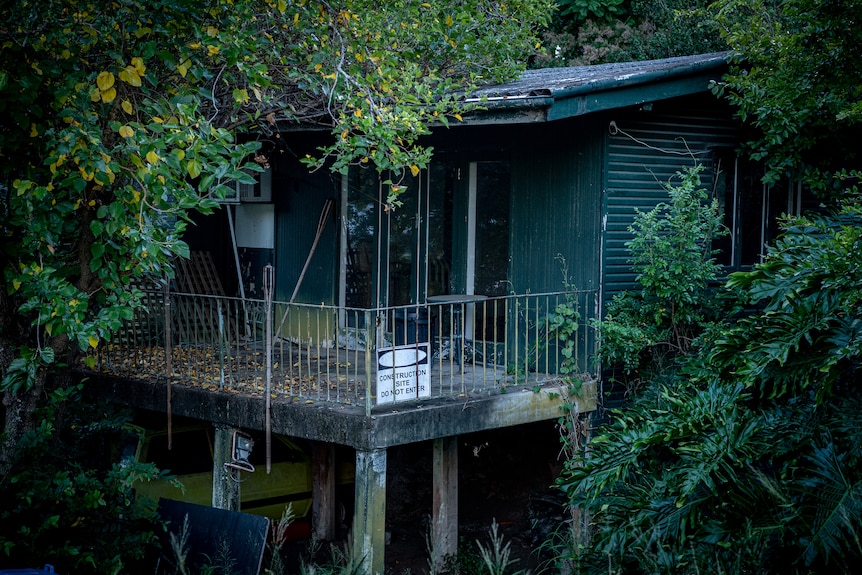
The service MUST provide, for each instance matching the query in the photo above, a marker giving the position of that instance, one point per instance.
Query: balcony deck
(313, 354)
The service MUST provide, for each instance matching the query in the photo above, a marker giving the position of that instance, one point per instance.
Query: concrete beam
(369, 517)
(397, 424)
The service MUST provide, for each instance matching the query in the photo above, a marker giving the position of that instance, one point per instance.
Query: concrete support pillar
(225, 481)
(444, 515)
(323, 490)
(369, 517)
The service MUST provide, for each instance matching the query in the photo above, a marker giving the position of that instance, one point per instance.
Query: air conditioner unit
(231, 195)
(260, 191)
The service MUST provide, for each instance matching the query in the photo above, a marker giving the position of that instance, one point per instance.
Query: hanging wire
(613, 130)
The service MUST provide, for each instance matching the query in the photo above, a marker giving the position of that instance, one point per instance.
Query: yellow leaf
(16, 284)
(127, 107)
(241, 96)
(357, 112)
(212, 31)
(448, 20)
(94, 341)
(140, 68)
(183, 67)
(179, 153)
(33, 131)
(459, 118)
(152, 157)
(282, 6)
(126, 131)
(414, 169)
(104, 81)
(212, 50)
(130, 76)
(95, 94)
(109, 95)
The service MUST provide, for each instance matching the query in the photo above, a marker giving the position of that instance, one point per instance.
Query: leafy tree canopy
(599, 31)
(795, 77)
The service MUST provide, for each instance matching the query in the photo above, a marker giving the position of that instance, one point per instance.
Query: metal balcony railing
(461, 346)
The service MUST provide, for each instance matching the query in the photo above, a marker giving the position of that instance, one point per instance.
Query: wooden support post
(369, 518)
(444, 515)
(225, 481)
(323, 490)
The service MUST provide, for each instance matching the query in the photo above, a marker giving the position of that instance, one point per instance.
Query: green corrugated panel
(646, 150)
(300, 198)
(556, 209)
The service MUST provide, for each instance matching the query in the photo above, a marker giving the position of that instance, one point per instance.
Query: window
(751, 209)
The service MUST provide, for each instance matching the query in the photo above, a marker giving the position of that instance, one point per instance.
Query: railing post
(221, 340)
(268, 282)
(370, 348)
(169, 352)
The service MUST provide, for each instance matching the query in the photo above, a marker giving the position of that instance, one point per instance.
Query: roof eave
(606, 93)
(578, 102)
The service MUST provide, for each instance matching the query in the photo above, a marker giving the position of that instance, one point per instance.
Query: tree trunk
(19, 408)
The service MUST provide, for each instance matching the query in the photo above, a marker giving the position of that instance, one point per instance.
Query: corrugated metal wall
(556, 208)
(300, 197)
(556, 213)
(645, 149)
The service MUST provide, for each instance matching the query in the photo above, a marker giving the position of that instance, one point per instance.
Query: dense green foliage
(796, 77)
(744, 459)
(676, 270)
(741, 456)
(65, 501)
(596, 32)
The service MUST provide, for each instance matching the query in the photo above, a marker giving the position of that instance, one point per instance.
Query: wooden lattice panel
(197, 275)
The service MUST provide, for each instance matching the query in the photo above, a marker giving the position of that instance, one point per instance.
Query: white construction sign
(403, 373)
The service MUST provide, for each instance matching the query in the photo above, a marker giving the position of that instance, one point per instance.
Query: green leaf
(193, 167)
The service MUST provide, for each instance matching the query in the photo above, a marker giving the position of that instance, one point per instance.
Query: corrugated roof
(562, 82)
